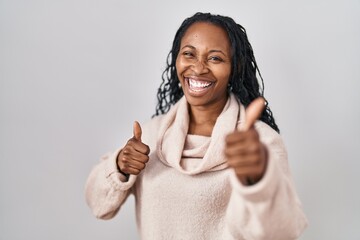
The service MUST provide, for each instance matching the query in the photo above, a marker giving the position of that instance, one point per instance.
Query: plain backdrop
(75, 74)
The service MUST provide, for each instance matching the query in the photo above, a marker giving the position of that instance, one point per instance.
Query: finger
(131, 170)
(245, 161)
(242, 150)
(139, 157)
(137, 165)
(253, 112)
(137, 145)
(240, 137)
(137, 131)
(142, 148)
(137, 151)
(236, 150)
(249, 171)
(235, 137)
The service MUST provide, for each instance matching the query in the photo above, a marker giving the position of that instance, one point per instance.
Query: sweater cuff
(116, 179)
(263, 189)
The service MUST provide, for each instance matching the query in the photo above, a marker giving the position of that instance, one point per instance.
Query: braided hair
(243, 81)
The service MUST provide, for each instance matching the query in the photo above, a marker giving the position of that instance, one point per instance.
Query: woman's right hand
(134, 156)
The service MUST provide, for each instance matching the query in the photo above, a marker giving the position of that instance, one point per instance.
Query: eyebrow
(211, 51)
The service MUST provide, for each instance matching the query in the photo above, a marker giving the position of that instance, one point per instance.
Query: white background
(74, 74)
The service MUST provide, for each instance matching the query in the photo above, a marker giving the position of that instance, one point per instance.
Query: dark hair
(243, 81)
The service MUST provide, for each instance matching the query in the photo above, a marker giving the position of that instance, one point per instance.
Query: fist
(135, 154)
(247, 155)
(243, 149)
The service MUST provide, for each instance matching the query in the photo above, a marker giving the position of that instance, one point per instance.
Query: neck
(203, 118)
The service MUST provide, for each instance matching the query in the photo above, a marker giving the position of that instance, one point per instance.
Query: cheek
(178, 67)
(180, 64)
(223, 74)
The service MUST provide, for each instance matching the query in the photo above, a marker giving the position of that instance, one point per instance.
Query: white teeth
(198, 84)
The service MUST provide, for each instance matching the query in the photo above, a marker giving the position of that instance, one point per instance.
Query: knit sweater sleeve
(106, 189)
(270, 209)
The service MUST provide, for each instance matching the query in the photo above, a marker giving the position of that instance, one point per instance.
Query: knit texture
(187, 190)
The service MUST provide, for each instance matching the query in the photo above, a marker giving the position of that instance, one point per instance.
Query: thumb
(137, 131)
(253, 112)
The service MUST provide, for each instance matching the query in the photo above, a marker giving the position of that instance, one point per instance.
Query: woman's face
(204, 64)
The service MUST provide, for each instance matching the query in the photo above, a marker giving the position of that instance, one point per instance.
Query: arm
(106, 188)
(111, 181)
(269, 209)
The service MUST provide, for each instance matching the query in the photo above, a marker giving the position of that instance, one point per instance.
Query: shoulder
(153, 122)
(262, 127)
(275, 145)
(150, 128)
(269, 135)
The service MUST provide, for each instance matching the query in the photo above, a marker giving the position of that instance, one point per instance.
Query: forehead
(203, 33)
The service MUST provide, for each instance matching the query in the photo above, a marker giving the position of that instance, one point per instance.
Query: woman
(200, 169)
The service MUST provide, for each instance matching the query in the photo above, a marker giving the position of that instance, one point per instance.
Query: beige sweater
(190, 193)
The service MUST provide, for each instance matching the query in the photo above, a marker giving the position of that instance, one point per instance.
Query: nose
(199, 67)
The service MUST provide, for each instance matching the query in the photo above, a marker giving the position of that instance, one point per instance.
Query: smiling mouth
(198, 85)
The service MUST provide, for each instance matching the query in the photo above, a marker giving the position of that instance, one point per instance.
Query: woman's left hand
(247, 155)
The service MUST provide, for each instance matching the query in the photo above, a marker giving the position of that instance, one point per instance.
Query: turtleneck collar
(174, 129)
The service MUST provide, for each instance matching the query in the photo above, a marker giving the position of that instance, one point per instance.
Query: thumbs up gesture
(243, 149)
(134, 155)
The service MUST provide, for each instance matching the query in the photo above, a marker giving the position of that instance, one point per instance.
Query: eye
(188, 54)
(215, 59)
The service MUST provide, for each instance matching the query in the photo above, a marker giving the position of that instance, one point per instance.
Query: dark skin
(134, 156)
(204, 59)
(247, 155)
(244, 150)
